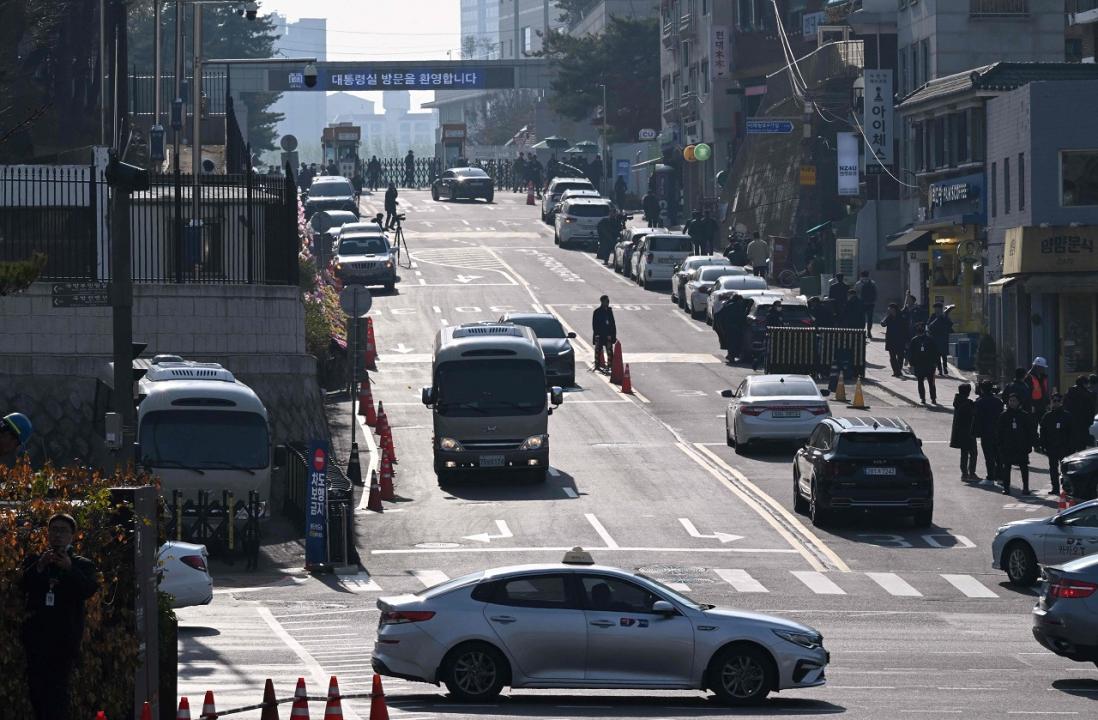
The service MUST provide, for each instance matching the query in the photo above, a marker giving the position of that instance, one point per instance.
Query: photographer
(56, 583)
(390, 206)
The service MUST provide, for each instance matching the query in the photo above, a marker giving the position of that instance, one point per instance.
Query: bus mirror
(556, 395)
(428, 396)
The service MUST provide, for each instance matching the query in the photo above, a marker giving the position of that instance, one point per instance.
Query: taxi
(1022, 546)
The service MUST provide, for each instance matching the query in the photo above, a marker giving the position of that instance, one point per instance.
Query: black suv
(863, 463)
(330, 192)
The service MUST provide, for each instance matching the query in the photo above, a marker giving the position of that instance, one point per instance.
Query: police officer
(923, 356)
(1081, 404)
(988, 409)
(603, 329)
(1056, 438)
(1014, 433)
(15, 431)
(390, 206)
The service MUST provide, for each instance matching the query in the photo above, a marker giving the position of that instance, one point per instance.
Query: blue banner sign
(375, 77)
(316, 505)
(769, 127)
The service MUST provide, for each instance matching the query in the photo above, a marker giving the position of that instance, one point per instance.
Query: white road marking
(570, 492)
(818, 583)
(421, 282)
(562, 548)
(606, 538)
(693, 532)
(504, 533)
(430, 578)
(740, 580)
(970, 586)
(894, 584)
(689, 323)
(360, 583)
(436, 308)
(678, 587)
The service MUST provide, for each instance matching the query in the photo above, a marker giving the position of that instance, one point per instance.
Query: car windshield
(675, 595)
(586, 210)
(448, 585)
(471, 173)
(363, 246)
(543, 327)
(669, 244)
(877, 444)
(799, 388)
(204, 439)
(340, 188)
(474, 388)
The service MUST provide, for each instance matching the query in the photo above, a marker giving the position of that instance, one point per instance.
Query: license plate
(880, 471)
(786, 413)
(666, 261)
(491, 461)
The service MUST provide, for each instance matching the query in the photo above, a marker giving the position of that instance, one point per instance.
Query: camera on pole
(310, 75)
(249, 10)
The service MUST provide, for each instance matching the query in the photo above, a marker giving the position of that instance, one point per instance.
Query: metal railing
(815, 351)
(984, 8)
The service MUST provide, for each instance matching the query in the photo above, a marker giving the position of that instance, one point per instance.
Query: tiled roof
(1001, 76)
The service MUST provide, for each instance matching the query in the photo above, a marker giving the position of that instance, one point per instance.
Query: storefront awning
(1055, 283)
(1001, 284)
(914, 240)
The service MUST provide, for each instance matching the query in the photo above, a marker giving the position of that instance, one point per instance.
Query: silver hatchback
(579, 625)
(1065, 619)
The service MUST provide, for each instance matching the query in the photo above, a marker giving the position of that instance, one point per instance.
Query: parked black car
(330, 192)
(560, 357)
(863, 463)
(463, 182)
(1079, 476)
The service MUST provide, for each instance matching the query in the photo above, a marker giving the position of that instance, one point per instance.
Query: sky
(383, 29)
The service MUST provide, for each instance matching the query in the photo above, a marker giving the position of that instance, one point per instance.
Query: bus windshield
(471, 388)
(207, 439)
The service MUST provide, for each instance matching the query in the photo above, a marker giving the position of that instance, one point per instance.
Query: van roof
(506, 339)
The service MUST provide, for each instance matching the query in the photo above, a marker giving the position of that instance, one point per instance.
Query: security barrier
(206, 522)
(815, 351)
(341, 542)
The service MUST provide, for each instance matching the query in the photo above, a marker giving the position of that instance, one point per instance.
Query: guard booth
(453, 143)
(339, 146)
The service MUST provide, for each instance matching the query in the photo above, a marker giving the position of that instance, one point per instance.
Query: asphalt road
(917, 622)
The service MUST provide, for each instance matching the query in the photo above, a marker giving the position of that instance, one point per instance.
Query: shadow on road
(616, 706)
(1079, 687)
(504, 487)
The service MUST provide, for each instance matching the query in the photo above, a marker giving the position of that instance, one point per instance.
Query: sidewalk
(878, 374)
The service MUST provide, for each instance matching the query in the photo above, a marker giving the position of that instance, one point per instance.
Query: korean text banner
(375, 77)
(316, 505)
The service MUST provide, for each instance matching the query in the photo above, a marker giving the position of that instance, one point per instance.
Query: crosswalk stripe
(740, 580)
(430, 578)
(678, 587)
(970, 586)
(818, 583)
(360, 583)
(894, 584)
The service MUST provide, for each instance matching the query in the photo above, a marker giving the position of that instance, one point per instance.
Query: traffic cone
(100, 715)
(382, 418)
(840, 389)
(366, 402)
(209, 708)
(858, 403)
(370, 359)
(600, 357)
(374, 501)
(270, 702)
(389, 445)
(616, 368)
(378, 711)
(626, 382)
(146, 711)
(387, 492)
(184, 711)
(300, 709)
(299, 691)
(333, 710)
(1063, 504)
(530, 193)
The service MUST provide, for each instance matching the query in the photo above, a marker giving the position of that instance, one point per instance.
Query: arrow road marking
(504, 532)
(693, 532)
(402, 349)
(467, 278)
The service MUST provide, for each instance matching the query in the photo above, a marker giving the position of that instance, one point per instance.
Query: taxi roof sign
(578, 556)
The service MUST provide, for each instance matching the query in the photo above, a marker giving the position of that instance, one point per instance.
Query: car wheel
(742, 675)
(434, 193)
(924, 518)
(800, 505)
(1020, 563)
(474, 672)
(816, 512)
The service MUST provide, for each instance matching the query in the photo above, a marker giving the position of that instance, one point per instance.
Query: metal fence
(815, 351)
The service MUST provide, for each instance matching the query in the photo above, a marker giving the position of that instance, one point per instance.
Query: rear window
(559, 189)
(789, 387)
(710, 274)
(471, 172)
(334, 188)
(669, 244)
(588, 210)
(874, 444)
(743, 282)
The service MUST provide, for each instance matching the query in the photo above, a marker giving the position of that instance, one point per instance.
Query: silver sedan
(579, 625)
(1021, 546)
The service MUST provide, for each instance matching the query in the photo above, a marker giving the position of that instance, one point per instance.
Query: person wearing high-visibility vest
(1037, 382)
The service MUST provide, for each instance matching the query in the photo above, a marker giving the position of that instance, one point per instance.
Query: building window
(705, 76)
(1078, 178)
(917, 144)
(527, 40)
(1021, 181)
(916, 67)
(685, 63)
(903, 71)
(752, 14)
(1006, 186)
(976, 121)
(926, 59)
(994, 189)
(705, 7)
(961, 137)
(940, 143)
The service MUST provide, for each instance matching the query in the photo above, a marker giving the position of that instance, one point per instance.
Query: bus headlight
(535, 442)
(450, 444)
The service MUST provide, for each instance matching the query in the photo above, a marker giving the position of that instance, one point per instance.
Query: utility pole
(196, 116)
(518, 31)
(156, 63)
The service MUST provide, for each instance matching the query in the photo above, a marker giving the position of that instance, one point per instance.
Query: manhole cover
(437, 545)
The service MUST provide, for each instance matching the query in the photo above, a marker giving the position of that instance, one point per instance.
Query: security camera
(310, 75)
(250, 10)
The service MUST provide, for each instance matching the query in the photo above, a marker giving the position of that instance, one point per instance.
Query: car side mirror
(665, 608)
(556, 395)
(427, 395)
(280, 456)
(571, 336)
(919, 442)
(825, 393)
(726, 393)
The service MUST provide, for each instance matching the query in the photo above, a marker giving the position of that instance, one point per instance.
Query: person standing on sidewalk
(1018, 387)
(988, 408)
(1055, 432)
(694, 229)
(962, 436)
(1037, 383)
(651, 206)
(758, 252)
(867, 294)
(1014, 434)
(1081, 404)
(940, 326)
(896, 338)
(923, 356)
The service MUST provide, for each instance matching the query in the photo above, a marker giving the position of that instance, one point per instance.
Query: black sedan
(464, 182)
(560, 357)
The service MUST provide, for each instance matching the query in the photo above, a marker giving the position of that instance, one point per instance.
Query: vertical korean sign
(316, 505)
(720, 52)
(848, 164)
(878, 116)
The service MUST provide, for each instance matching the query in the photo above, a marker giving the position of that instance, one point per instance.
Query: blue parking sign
(316, 505)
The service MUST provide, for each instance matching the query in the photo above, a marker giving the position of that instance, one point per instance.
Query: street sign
(90, 294)
(316, 505)
(769, 127)
(355, 301)
(646, 134)
(808, 175)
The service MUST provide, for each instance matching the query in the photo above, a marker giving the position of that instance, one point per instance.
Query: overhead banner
(316, 505)
(848, 164)
(409, 75)
(878, 116)
(719, 54)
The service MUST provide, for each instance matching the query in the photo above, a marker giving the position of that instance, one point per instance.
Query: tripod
(400, 245)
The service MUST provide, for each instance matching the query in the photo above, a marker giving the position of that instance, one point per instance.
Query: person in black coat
(390, 206)
(837, 289)
(923, 356)
(1055, 431)
(729, 324)
(987, 408)
(853, 312)
(962, 436)
(1014, 435)
(1018, 387)
(736, 253)
(651, 206)
(603, 329)
(940, 326)
(1080, 402)
(896, 338)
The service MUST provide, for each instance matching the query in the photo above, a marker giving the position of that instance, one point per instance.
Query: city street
(917, 622)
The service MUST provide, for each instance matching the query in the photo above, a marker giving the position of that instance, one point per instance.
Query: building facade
(304, 114)
(392, 132)
(480, 29)
(522, 26)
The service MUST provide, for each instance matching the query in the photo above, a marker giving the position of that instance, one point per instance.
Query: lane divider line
(602, 531)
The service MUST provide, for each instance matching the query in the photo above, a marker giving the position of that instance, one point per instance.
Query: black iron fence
(340, 494)
(424, 170)
(247, 231)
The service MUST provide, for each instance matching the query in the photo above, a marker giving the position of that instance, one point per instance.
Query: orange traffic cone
(1063, 504)
(626, 382)
(184, 712)
(616, 369)
(530, 193)
(378, 711)
(100, 715)
(333, 710)
(382, 418)
(299, 691)
(366, 402)
(600, 357)
(270, 702)
(209, 708)
(389, 445)
(146, 711)
(300, 707)
(374, 501)
(370, 359)
(387, 492)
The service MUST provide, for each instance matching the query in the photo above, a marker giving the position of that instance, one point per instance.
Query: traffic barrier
(840, 390)
(270, 702)
(858, 403)
(184, 711)
(374, 501)
(386, 491)
(616, 368)
(626, 382)
(530, 193)
(790, 350)
(209, 707)
(844, 347)
(815, 351)
(332, 709)
(370, 356)
(366, 402)
(378, 710)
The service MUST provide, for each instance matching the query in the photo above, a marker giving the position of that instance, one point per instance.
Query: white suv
(659, 255)
(578, 221)
(551, 196)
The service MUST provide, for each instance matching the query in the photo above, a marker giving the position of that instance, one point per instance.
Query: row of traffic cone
(619, 372)
(381, 487)
(858, 403)
(333, 710)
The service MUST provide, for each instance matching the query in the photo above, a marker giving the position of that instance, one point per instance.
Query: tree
(572, 11)
(625, 58)
(502, 115)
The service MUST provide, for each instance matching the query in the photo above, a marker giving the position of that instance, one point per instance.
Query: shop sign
(356, 76)
(808, 175)
(878, 117)
(719, 52)
(848, 164)
(961, 196)
(453, 132)
(811, 21)
(1050, 250)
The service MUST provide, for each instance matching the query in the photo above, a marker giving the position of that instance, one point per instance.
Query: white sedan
(682, 273)
(773, 407)
(1022, 546)
(184, 573)
(702, 282)
(729, 286)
